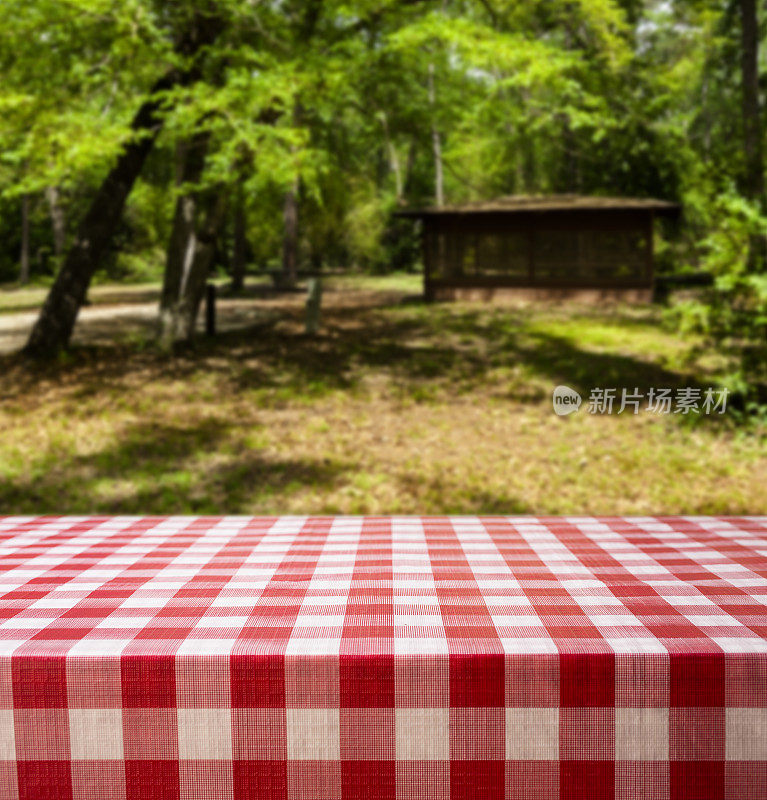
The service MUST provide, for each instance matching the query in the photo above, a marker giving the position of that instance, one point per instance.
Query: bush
(732, 314)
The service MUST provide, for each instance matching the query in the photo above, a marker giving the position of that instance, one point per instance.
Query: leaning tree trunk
(24, 255)
(54, 326)
(752, 125)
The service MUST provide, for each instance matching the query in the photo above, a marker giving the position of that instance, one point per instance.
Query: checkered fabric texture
(435, 658)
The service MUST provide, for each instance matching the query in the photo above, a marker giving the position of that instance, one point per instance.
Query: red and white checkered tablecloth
(294, 657)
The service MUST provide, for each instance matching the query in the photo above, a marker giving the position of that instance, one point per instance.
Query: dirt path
(100, 324)
(104, 323)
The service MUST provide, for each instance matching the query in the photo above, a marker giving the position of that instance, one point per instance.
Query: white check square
(422, 734)
(96, 734)
(746, 734)
(532, 734)
(641, 734)
(7, 735)
(314, 734)
(204, 734)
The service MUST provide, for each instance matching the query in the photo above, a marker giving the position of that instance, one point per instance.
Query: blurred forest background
(160, 142)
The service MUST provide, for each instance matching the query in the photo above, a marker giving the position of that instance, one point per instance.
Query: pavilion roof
(512, 204)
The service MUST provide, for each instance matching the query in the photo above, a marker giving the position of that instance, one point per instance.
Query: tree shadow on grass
(158, 470)
(163, 469)
(452, 351)
(438, 496)
(457, 357)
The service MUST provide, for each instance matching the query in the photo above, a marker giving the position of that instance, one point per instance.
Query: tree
(57, 318)
(58, 219)
(321, 119)
(182, 257)
(752, 127)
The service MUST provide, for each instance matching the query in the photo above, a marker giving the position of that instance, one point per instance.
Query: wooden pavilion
(541, 246)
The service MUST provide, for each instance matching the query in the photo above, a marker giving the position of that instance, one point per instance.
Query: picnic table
(386, 657)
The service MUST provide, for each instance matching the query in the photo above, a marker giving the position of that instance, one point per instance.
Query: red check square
(369, 780)
(104, 780)
(532, 780)
(697, 680)
(150, 734)
(148, 682)
(587, 734)
(151, 779)
(39, 681)
(586, 779)
(44, 780)
(366, 681)
(477, 734)
(368, 734)
(419, 779)
(257, 681)
(42, 733)
(477, 779)
(697, 734)
(259, 779)
(477, 680)
(696, 780)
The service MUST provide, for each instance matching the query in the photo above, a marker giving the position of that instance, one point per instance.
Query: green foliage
(344, 100)
(732, 314)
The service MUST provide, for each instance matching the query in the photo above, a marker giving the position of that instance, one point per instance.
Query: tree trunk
(24, 254)
(54, 326)
(290, 240)
(409, 171)
(58, 220)
(394, 164)
(240, 247)
(752, 125)
(201, 249)
(311, 16)
(436, 143)
(190, 162)
(196, 224)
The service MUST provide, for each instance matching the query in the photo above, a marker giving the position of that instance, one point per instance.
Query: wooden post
(427, 250)
(210, 310)
(649, 248)
(531, 253)
(313, 300)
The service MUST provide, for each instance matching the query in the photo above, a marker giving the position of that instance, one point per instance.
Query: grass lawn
(398, 407)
